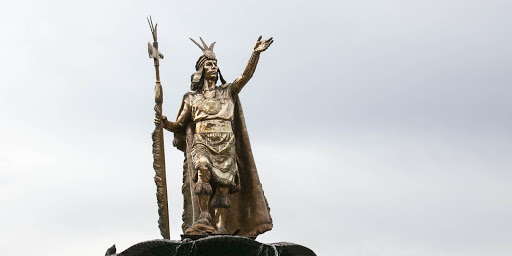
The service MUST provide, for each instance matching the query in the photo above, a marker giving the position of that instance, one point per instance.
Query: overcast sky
(379, 128)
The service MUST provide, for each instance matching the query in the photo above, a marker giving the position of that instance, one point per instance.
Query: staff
(158, 141)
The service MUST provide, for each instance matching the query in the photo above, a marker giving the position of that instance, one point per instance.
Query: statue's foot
(201, 226)
(222, 230)
(199, 229)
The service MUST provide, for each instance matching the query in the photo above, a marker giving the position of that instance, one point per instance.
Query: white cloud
(379, 128)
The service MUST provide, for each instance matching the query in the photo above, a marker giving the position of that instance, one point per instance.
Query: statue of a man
(220, 176)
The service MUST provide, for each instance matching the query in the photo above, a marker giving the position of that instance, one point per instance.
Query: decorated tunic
(213, 146)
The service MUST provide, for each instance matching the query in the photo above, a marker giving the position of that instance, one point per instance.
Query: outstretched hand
(261, 46)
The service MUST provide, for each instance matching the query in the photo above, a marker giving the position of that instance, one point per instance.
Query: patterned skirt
(216, 150)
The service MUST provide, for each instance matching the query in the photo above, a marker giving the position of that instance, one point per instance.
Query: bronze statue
(220, 176)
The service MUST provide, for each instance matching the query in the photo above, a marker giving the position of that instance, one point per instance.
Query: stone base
(214, 246)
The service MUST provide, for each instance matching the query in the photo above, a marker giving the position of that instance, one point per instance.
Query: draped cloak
(249, 209)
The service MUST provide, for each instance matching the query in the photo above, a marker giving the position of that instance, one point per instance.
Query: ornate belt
(213, 126)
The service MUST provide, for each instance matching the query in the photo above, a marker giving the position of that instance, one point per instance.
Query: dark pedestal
(215, 246)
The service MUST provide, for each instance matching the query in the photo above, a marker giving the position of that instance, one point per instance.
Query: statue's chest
(217, 104)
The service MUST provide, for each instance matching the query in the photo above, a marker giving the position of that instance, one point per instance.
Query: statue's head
(206, 67)
(210, 69)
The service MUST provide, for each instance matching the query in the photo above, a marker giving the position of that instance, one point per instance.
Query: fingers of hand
(263, 45)
(268, 42)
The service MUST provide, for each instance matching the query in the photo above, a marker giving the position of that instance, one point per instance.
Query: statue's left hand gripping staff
(158, 140)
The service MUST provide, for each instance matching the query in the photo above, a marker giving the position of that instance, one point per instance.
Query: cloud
(379, 128)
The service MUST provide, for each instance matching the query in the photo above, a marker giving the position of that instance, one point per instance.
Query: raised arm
(259, 47)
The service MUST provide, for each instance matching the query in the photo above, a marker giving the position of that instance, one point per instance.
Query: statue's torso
(217, 106)
(214, 141)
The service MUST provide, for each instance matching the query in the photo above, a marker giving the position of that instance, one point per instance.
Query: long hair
(197, 86)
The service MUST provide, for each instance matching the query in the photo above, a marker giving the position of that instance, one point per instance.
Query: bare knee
(203, 174)
(222, 190)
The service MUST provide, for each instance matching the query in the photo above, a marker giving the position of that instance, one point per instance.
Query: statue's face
(210, 69)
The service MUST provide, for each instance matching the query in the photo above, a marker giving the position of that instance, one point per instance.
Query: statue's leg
(220, 202)
(203, 191)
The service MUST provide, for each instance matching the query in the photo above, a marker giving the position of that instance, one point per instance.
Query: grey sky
(378, 127)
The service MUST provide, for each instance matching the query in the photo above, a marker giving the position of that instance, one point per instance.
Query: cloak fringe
(260, 230)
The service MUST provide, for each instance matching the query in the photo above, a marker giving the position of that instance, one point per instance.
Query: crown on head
(208, 51)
